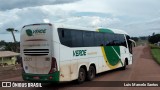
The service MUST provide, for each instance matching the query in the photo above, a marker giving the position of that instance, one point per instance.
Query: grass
(154, 46)
(155, 51)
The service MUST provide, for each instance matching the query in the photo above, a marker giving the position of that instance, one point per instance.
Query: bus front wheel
(124, 67)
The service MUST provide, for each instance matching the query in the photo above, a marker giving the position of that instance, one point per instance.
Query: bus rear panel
(38, 61)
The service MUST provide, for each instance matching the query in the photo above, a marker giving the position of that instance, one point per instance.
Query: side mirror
(133, 42)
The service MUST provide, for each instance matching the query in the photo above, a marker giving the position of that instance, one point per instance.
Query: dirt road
(144, 68)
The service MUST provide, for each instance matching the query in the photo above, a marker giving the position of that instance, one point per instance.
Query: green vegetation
(9, 46)
(155, 51)
(154, 38)
(154, 46)
(140, 40)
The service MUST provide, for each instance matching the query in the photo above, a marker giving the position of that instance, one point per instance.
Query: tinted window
(99, 39)
(81, 38)
(88, 38)
(122, 40)
(107, 39)
(65, 36)
(77, 39)
(116, 41)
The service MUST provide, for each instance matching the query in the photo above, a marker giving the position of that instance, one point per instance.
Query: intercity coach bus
(57, 52)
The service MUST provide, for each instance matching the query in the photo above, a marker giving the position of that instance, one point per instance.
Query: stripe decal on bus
(107, 61)
(117, 54)
(111, 54)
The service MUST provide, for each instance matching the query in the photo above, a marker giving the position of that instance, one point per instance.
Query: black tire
(124, 67)
(81, 75)
(91, 73)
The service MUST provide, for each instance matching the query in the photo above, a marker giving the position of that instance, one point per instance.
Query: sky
(136, 17)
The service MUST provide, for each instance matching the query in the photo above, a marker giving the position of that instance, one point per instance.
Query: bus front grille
(36, 52)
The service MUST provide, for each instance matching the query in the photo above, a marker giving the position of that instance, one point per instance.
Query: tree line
(9, 46)
(155, 38)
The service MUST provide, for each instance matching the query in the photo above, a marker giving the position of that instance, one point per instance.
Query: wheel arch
(94, 65)
(126, 60)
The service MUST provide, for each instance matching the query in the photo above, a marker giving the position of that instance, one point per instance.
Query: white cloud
(90, 21)
(87, 6)
(46, 20)
(19, 17)
(12, 4)
(134, 8)
(137, 17)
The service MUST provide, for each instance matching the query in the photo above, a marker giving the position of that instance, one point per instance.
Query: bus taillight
(53, 66)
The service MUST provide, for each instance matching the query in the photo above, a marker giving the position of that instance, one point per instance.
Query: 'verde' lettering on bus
(39, 31)
(79, 53)
(30, 32)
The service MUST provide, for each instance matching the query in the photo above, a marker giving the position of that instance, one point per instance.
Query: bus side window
(88, 39)
(107, 39)
(99, 39)
(76, 38)
(122, 41)
(64, 36)
(62, 33)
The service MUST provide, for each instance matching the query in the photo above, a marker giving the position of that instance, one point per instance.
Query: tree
(9, 46)
(12, 30)
(153, 34)
(2, 43)
(154, 39)
(144, 37)
(135, 39)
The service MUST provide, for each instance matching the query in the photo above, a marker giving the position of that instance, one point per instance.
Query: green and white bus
(57, 52)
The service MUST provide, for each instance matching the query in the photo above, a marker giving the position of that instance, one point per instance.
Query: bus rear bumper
(41, 77)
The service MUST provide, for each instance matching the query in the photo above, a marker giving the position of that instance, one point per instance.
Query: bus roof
(61, 25)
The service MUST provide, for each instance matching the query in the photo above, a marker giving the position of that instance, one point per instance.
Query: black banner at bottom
(85, 84)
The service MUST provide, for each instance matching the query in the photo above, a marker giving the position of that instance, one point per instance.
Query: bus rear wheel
(91, 73)
(81, 75)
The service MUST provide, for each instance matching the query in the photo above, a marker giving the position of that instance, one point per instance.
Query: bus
(58, 52)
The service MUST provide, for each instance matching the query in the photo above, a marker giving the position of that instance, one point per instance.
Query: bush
(155, 51)
(154, 39)
(152, 46)
(155, 54)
